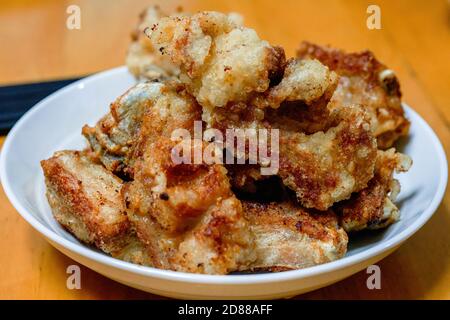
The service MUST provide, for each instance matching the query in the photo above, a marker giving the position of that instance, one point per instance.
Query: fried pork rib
(324, 167)
(367, 82)
(167, 107)
(85, 199)
(328, 166)
(373, 207)
(220, 61)
(186, 214)
(142, 59)
(290, 237)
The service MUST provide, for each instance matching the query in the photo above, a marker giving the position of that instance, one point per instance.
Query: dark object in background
(15, 100)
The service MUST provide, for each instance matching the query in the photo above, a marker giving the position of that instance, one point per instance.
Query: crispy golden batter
(165, 107)
(326, 167)
(300, 99)
(234, 74)
(373, 207)
(367, 82)
(288, 236)
(303, 80)
(186, 214)
(85, 199)
(221, 62)
(143, 60)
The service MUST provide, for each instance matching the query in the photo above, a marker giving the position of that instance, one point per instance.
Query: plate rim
(177, 276)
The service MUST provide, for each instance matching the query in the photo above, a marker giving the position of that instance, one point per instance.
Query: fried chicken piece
(305, 89)
(373, 207)
(367, 82)
(220, 61)
(326, 167)
(303, 80)
(85, 199)
(165, 106)
(288, 236)
(186, 214)
(143, 60)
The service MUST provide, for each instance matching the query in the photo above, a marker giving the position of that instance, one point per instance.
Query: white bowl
(55, 123)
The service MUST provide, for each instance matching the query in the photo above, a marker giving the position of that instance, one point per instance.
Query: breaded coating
(143, 60)
(166, 107)
(323, 167)
(303, 80)
(326, 167)
(373, 207)
(85, 199)
(288, 236)
(186, 214)
(367, 82)
(305, 88)
(221, 62)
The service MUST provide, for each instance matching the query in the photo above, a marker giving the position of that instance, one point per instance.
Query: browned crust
(363, 71)
(361, 63)
(366, 209)
(304, 170)
(186, 214)
(293, 217)
(288, 236)
(69, 196)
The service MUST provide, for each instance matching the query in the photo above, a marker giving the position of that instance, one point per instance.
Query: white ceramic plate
(55, 123)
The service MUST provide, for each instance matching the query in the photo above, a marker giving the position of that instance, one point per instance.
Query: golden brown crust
(162, 107)
(221, 62)
(232, 84)
(373, 207)
(85, 199)
(186, 213)
(365, 81)
(326, 167)
(288, 236)
(87, 192)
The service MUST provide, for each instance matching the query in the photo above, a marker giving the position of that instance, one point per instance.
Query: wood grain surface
(414, 41)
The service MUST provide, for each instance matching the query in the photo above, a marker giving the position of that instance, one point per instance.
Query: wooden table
(414, 41)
